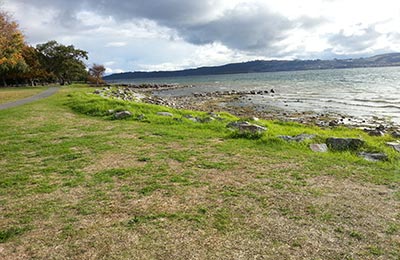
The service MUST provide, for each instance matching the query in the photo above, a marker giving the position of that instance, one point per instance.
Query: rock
(122, 114)
(97, 91)
(243, 126)
(373, 157)
(141, 117)
(381, 128)
(191, 118)
(344, 144)
(111, 111)
(375, 132)
(297, 138)
(320, 148)
(396, 134)
(333, 123)
(164, 114)
(394, 145)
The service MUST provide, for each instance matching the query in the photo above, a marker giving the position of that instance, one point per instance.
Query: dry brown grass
(13, 94)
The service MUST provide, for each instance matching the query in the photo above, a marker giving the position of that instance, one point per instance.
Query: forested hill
(390, 59)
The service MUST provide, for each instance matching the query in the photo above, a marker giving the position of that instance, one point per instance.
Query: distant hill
(384, 60)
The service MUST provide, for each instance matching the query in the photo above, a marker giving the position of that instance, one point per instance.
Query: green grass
(76, 183)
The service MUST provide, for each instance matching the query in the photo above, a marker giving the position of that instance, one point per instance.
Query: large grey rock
(394, 145)
(344, 144)
(122, 114)
(243, 126)
(297, 138)
(396, 134)
(376, 132)
(320, 148)
(373, 157)
(164, 114)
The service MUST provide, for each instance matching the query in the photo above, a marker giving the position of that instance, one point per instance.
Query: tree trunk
(4, 82)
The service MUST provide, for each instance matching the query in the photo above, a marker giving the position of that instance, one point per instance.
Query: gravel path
(42, 95)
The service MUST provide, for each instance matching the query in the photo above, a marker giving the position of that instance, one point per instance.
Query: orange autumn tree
(96, 73)
(11, 48)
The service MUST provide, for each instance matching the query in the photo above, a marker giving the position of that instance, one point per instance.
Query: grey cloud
(240, 30)
(247, 27)
(355, 42)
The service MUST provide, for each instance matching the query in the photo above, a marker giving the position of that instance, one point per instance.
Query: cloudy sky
(132, 35)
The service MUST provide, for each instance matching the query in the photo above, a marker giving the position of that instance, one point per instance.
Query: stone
(111, 111)
(344, 144)
(320, 148)
(333, 123)
(140, 117)
(394, 145)
(373, 157)
(297, 138)
(375, 132)
(243, 126)
(164, 114)
(122, 114)
(97, 91)
(396, 134)
(381, 128)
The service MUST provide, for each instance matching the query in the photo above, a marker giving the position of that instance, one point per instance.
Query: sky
(148, 35)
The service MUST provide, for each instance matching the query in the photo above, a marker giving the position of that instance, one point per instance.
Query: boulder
(320, 148)
(122, 114)
(297, 138)
(373, 157)
(164, 114)
(396, 134)
(191, 118)
(394, 145)
(375, 132)
(344, 144)
(246, 127)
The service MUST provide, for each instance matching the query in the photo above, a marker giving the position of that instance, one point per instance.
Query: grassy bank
(77, 184)
(13, 94)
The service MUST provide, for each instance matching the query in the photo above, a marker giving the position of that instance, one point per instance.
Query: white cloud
(116, 44)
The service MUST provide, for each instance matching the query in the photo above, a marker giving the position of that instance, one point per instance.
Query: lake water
(362, 92)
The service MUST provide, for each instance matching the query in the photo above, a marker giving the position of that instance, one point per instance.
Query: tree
(65, 62)
(96, 73)
(11, 47)
(35, 71)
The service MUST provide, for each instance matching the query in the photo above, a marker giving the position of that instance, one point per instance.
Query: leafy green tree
(65, 62)
(11, 47)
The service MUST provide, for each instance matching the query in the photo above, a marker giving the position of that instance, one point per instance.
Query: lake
(361, 92)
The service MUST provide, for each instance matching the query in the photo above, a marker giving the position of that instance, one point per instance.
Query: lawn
(11, 94)
(77, 184)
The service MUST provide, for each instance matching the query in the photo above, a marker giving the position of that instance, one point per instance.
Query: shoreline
(232, 102)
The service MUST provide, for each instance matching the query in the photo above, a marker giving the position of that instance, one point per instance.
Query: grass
(12, 94)
(77, 184)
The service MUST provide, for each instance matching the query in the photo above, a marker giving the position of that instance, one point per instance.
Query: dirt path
(41, 95)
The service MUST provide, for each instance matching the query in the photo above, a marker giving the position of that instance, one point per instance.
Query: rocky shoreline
(231, 101)
(219, 101)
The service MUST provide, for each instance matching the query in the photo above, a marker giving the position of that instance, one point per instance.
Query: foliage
(65, 62)
(11, 47)
(96, 73)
